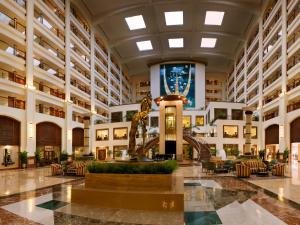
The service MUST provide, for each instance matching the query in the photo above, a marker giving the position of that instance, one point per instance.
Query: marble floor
(209, 199)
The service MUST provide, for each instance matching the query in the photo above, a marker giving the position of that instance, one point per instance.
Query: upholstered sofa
(56, 169)
(278, 169)
(256, 166)
(77, 168)
(242, 170)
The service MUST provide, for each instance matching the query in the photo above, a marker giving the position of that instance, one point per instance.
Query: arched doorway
(295, 139)
(48, 142)
(272, 141)
(9, 142)
(77, 141)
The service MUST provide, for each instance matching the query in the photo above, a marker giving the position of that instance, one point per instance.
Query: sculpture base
(154, 192)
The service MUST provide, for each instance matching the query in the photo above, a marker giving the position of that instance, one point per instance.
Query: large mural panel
(178, 78)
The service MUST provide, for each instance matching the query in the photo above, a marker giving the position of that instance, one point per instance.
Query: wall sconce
(69, 135)
(30, 130)
(281, 131)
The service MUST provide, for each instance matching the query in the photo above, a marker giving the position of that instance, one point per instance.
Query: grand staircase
(201, 147)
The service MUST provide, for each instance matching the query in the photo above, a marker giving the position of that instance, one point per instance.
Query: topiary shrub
(133, 168)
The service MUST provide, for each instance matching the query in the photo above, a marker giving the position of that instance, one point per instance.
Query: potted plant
(262, 153)
(286, 154)
(236, 152)
(109, 154)
(23, 159)
(37, 156)
(63, 157)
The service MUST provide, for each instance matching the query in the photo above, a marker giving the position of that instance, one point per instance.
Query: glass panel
(199, 120)
(231, 149)
(253, 132)
(186, 121)
(230, 131)
(154, 121)
(237, 114)
(116, 117)
(120, 133)
(102, 135)
(170, 120)
(220, 113)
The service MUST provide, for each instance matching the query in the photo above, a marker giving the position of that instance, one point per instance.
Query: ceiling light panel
(135, 22)
(175, 42)
(174, 18)
(208, 42)
(214, 18)
(144, 45)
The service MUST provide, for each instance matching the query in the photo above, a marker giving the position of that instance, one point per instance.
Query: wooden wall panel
(78, 137)
(48, 134)
(295, 131)
(9, 131)
(272, 134)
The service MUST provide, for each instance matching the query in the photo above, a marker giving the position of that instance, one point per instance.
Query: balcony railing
(271, 61)
(49, 47)
(101, 99)
(272, 79)
(293, 106)
(41, 18)
(12, 102)
(293, 38)
(12, 49)
(80, 36)
(271, 97)
(12, 76)
(293, 60)
(80, 86)
(81, 71)
(44, 66)
(78, 119)
(80, 103)
(270, 115)
(82, 22)
(55, 9)
(293, 84)
(13, 22)
(21, 3)
(46, 89)
(40, 108)
(293, 14)
(81, 55)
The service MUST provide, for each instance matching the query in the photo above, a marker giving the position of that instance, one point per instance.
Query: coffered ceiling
(109, 17)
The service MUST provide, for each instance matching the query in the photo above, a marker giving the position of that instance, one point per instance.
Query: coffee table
(263, 174)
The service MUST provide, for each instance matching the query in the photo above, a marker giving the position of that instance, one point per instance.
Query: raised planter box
(129, 182)
(153, 192)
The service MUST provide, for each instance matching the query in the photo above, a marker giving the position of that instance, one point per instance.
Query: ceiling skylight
(214, 18)
(135, 22)
(208, 42)
(176, 42)
(144, 45)
(174, 18)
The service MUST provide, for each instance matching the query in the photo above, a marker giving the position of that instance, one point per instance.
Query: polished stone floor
(209, 199)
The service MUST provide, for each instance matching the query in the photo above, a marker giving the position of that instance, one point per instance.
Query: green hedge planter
(133, 168)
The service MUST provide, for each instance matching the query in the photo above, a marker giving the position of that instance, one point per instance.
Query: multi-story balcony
(78, 70)
(102, 100)
(12, 27)
(271, 97)
(77, 118)
(293, 105)
(270, 115)
(293, 41)
(80, 103)
(272, 78)
(12, 55)
(44, 49)
(55, 7)
(78, 35)
(80, 22)
(101, 74)
(101, 61)
(12, 76)
(49, 69)
(293, 64)
(270, 12)
(12, 102)
(272, 45)
(293, 18)
(293, 83)
(50, 110)
(252, 94)
(252, 66)
(99, 46)
(49, 90)
(101, 86)
(272, 63)
(50, 27)
(80, 86)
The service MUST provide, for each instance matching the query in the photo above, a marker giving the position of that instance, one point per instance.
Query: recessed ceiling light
(144, 45)
(214, 18)
(176, 42)
(135, 22)
(174, 18)
(208, 42)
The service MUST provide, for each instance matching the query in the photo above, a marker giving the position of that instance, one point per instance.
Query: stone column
(248, 131)
(86, 124)
(30, 89)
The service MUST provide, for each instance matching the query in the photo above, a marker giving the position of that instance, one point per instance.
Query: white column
(283, 124)
(68, 104)
(30, 91)
(121, 87)
(93, 109)
(245, 73)
(234, 83)
(260, 130)
(109, 77)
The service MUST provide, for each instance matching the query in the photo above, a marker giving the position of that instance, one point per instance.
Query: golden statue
(142, 118)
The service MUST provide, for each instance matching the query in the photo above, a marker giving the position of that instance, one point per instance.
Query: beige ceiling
(109, 16)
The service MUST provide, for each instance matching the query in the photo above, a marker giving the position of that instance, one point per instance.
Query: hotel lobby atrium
(150, 112)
